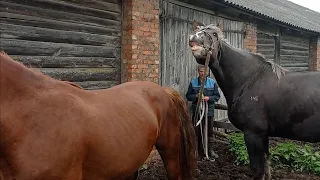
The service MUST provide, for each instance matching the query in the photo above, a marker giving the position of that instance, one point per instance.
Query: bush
(285, 155)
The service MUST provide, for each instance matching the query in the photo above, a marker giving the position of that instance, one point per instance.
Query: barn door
(234, 32)
(178, 65)
(177, 62)
(69, 40)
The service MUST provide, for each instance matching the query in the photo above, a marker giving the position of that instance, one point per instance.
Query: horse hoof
(209, 159)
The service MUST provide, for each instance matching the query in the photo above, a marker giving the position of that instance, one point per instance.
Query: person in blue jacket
(211, 95)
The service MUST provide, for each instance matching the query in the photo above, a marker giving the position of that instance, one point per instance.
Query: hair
(200, 66)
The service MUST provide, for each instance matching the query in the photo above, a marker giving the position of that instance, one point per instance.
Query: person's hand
(206, 98)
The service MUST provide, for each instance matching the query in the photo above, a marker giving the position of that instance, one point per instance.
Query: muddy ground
(223, 168)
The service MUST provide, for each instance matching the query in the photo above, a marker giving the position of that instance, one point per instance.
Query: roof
(283, 11)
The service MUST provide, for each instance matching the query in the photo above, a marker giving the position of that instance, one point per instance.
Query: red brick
(141, 40)
(250, 40)
(315, 54)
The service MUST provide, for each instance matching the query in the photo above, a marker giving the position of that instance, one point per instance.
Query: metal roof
(282, 11)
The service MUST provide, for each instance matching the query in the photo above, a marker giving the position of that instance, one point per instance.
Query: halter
(209, 52)
(204, 104)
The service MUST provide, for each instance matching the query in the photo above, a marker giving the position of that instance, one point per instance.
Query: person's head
(201, 70)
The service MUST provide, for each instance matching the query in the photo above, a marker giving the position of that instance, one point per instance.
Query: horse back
(133, 112)
(293, 104)
(270, 102)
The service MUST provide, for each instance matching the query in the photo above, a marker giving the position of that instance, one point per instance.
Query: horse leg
(212, 153)
(170, 156)
(267, 175)
(256, 146)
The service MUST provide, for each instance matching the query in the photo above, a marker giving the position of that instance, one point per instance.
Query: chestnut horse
(51, 130)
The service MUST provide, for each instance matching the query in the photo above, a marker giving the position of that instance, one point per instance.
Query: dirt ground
(223, 168)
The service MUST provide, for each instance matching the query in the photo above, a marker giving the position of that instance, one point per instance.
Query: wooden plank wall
(72, 40)
(294, 53)
(266, 45)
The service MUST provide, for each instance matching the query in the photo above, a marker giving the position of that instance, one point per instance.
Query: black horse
(263, 98)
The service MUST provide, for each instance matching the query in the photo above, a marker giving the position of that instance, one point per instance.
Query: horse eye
(215, 34)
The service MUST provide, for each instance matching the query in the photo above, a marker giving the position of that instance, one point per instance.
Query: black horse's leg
(268, 163)
(256, 146)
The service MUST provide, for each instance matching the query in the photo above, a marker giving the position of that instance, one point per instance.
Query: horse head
(206, 39)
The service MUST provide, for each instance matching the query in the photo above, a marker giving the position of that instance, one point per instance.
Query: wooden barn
(72, 40)
(102, 43)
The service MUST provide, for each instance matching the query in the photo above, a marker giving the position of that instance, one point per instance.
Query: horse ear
(196, 24)
(219, 23)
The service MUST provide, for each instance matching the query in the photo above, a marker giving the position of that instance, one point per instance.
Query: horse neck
(15, 77)
(236, 69)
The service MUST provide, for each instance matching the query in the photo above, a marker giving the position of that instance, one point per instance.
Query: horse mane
(3, 53)
(276, 69)
(39, 72)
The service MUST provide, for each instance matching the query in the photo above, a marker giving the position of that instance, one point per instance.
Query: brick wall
(315, 54)
(250, 39)
(140, 40)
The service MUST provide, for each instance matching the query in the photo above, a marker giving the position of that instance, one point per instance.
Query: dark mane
(276, 69)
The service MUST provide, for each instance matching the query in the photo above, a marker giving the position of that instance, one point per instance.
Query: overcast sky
(311, 4)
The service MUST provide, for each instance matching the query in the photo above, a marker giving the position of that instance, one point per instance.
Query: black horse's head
(205, 38)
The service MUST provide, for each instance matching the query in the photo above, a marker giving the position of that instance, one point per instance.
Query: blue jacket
(210, 90)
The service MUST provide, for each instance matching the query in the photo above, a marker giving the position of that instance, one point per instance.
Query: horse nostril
(194, 48)
(191, 44)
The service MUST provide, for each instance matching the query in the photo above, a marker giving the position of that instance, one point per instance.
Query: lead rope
(204, 108)
(204, 113)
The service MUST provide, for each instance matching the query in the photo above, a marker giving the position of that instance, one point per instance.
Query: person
(210, 95)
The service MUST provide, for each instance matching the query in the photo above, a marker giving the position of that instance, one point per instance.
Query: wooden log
(11, 31)
(225, 125)
(220, 141)
(86, 5)
(93, 85)
(221, 106)
(297, 69)
(294, 64)
(294, 46)
(294, 52)
(223, 120)
(55, 24)
(23, 47)
(295, 58)
(221, 134)
(294, 39)
(266, 52)
(63, 62)
(78, 6)
(66, 16)
(265, 46)
(82, 74)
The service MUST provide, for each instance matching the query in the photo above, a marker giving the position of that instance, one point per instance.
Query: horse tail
(187, 134)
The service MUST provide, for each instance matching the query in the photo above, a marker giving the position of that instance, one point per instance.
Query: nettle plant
(302, 158)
